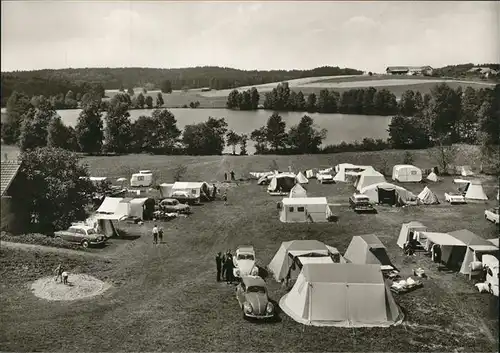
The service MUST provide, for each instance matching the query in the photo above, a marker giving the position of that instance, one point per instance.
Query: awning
(111, 217)
(296, 253)
(483, 248)
(109, 205)
(443, 239)
(315, 260)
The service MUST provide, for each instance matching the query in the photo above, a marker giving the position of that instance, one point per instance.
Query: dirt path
(43, 248)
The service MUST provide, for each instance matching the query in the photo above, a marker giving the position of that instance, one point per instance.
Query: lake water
(341, 127)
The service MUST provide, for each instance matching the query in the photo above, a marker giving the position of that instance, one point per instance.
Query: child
(65, 277)
(59, 271)
(224, 197)
(160, 235)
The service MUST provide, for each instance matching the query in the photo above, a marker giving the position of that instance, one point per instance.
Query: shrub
(39, 239)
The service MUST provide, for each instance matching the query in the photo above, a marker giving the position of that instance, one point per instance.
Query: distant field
(165, 298)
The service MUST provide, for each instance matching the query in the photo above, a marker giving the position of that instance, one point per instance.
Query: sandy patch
(80, 286)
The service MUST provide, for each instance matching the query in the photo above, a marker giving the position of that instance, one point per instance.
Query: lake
(341, 127)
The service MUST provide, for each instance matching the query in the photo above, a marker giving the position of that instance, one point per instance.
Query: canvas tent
(283, 260)
(387, 193)
(452, 249)
(494, 241)
(282, 183)
(335, 295)
(465, 170)
(142, 208)
(369, 177)
(199, 190)
(368, 249)
(406, 173)
(305, 209)
(298, 191)
(165, 190)
(406, 231)
(476, 248)
(474, 191)
(310, 173)
(432, 177)
(103, 226)
(111, 209)
(301, 178)
(343, 166)
(427, 197)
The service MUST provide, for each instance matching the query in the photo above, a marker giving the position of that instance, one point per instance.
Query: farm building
(410, 70)
(305, 209)
(9, 169)
(335, 295)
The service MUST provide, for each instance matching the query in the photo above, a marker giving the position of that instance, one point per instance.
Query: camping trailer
(405, 173)
(142, 208)
(143, 178)
(305, 209)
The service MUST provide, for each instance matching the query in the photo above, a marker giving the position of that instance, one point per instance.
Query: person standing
(232, 175)
(223, 263)
(65, 276)
(229, 268)
(59, 271)
(218, 263)
(224, 198)
(225, 176)
(214, 191)
(160, 235)
(155, 234)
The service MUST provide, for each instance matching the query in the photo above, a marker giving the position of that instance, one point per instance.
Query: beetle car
(244, 262)
(252, 297)
(173, 205)
(81, 234)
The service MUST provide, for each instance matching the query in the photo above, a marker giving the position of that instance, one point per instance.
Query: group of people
(157, 235)
(61, 274)
(225, 267)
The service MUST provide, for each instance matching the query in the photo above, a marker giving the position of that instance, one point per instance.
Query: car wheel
(244, 316)
(85, 244)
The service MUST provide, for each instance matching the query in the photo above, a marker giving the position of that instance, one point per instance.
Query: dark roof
(468, 237)
(253, 281)
(8, 173)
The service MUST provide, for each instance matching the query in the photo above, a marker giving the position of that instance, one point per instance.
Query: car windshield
(90, 231)
(256, 289)
(245, 257)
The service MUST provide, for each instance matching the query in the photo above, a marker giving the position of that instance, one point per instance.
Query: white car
(492, 215)
(325, 178)
(244, 262)
(453, 198)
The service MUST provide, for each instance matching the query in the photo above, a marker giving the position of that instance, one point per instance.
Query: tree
(130, 91)
(70, 100)
(311, 103)
(144, 135)
(385, 102)
(243, 145)
(59, 135)
(407, 104)
(232, 140)
(48, 191)
(233, 100)
(159, 100)
(254, 98)
(34, 127)
(260, 138)
(304, 138)
(205, 138)
(489, 129)
(275, 131)
(166, 86)
(18, 105)
(444, 154)
(118, 131)
(407, 132)
(166, 129)
(140, 101)
(144, 90)
(327, 102)
(468, 123)
(89, 132)
(444, 112)
(408, 158)
(149, 102)
(300, 104)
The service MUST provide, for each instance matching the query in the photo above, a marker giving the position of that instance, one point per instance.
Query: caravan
(405, 173)
(305, 209)
(143, 178)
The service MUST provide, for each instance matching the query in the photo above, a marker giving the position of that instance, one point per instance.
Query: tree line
(53, 82)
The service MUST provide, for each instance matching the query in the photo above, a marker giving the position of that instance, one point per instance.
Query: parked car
(173, 205)
(492, 215)
(244, 262)
(184, 197)
(490, 262)
(360, 203)
(81, 234)
(253, 299)
(325, 178)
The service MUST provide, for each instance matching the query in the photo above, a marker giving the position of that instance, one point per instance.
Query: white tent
(335, 295)
(432, 177)
(368, 249)
(452, 249)
(305, 209)
(284, 257)
(301, 178)
(387, 193)
(427, 197)
(165, 190)
(343, 166)
(493, 241)
(310, 173)
(298, 191)
(111, 208)
(195, 189)
(474, 191)
(406, 173)
(465, 170)
(407, 229)
(282, 183)
(369, 177)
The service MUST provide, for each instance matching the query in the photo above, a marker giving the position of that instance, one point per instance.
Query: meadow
(165, 298)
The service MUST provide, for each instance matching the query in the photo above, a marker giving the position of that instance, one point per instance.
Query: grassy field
(165, 298)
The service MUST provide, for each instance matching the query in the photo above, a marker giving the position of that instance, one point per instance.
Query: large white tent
(281, 183)
(200, 190)
(474, 191)
(305, 209)
(387, 193)
(112, 208)
(369, 177)
(336, 295)
(368, 249)
(298, 191)
(407, 229)
(452, 249)
(406, 173)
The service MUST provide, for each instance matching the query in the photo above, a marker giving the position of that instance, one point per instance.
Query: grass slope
(166, 297)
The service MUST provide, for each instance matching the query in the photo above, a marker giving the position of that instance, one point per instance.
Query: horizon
(367, 36)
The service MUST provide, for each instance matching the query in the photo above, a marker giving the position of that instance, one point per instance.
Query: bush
(408, 158)
(39, 239)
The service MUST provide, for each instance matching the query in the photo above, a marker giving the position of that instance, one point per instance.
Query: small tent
(368, 249)
(369, 177)
(301, 178)
(142, 208)
(165, 190)
(405, 173)
(386, 193)
(343, 166)
(335, 295)
(452, 249)
(310, 173)
(298, 191)
(474, 191)
(305, 209)
(283, 260)
(432, 177)
(465, 170)
(476, 248)
(281, 183)
(427, 197)
(408, 231)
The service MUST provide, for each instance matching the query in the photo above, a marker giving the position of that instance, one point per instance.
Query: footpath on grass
(46, 249)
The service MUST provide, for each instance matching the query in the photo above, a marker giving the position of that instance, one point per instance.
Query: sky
(365, 35)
